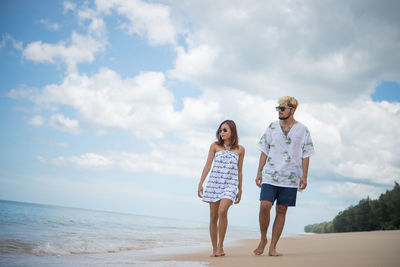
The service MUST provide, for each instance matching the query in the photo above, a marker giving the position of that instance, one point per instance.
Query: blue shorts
(283, 195)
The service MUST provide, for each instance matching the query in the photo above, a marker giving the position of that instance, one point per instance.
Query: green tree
(367, 215)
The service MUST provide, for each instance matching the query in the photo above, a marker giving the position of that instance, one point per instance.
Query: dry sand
(378, 248)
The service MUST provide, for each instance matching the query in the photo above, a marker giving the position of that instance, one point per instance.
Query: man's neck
(288, 122)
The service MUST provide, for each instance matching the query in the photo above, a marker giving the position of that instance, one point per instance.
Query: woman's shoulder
(215, 146)
(240, 149)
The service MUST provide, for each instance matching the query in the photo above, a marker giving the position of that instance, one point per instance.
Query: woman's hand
(238, 197)
(200, 191)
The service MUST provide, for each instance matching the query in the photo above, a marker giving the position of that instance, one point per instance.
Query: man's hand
(303, 183)
(259, 180)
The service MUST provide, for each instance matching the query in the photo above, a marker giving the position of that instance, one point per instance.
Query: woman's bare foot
(274, 253)
(260, 249)
(220, 252)
(214, 254)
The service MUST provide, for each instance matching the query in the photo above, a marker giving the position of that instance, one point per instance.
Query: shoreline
(376, 248)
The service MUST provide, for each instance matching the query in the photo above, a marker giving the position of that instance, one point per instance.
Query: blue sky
(113, 105)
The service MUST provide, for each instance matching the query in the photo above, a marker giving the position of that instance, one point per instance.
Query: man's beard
(284, 118)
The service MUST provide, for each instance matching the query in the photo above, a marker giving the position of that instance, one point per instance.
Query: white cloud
(36, 121)
(91, 160)
(60, 144)
(97, 26)
(141, 104)
(60, 122)
(49, 25)
(323, 51)
(23, 92)
(69, 6)
(352, 141)
(180, 160)
(80, 48)
(241, 56)
(163, 159)
(351, 191)
(201, 111)
(197, 61)
(273, 48)
(87, 160)
(145, 19)
(367, 148)
(9, 38)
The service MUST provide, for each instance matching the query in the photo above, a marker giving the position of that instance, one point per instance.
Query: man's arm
(303, 180)
(261, 163)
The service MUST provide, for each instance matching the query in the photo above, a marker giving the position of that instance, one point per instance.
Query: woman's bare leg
(214, 206)
(222, 224)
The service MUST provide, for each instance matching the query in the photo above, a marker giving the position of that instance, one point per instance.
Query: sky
(113, 105)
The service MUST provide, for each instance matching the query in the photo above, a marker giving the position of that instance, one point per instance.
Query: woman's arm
(206, 169)
(240, 167)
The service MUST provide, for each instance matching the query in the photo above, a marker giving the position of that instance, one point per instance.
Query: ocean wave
(63, 248)
(14, 246)
(88, 247)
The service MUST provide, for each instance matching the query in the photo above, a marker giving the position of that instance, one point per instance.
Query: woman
(224, 185)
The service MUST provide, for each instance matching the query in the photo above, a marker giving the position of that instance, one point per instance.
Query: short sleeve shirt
(285, 154)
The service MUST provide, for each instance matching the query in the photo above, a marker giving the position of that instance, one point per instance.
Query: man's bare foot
(274, 253)
(260, 249)
(214, 254)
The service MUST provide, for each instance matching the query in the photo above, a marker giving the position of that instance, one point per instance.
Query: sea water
(43, 235)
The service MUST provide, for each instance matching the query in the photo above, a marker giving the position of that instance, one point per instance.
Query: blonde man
(286, 147)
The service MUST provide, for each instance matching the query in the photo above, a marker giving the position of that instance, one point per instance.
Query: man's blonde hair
(288, 100)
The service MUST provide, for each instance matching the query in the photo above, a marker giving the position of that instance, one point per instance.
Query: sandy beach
(378, 248)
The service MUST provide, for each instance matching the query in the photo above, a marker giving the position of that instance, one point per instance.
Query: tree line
(367, 215)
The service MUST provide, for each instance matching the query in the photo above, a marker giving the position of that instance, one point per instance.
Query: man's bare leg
(264, 217)
(222, 224)
(277, 229)
(214, 226)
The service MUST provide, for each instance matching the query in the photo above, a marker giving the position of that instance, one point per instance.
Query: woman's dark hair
(234, 135)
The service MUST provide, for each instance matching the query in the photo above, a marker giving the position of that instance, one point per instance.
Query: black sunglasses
(223, 130)
(282, 108)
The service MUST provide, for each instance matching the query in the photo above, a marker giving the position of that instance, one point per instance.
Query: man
(285, 148)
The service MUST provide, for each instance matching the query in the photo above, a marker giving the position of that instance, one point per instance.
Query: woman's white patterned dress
(223, 180)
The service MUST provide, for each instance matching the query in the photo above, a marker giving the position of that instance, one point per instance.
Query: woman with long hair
(224, 185)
